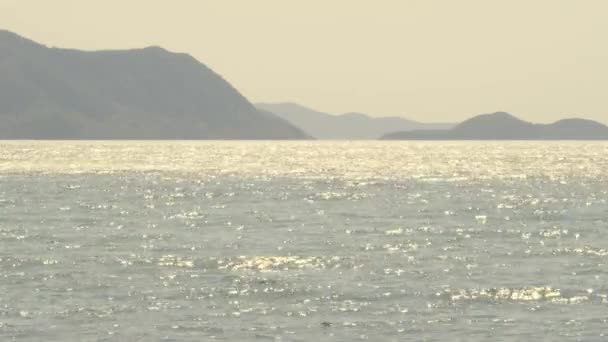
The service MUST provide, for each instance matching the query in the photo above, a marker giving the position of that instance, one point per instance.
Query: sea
(303, 241)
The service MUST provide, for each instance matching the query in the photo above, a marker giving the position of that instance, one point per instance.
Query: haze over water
(300, 241)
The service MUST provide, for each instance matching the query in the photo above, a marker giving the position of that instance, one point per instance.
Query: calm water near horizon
(302, 241)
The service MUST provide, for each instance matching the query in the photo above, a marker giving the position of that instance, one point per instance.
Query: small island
(504, 126)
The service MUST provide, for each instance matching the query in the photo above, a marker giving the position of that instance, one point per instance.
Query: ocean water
(303, 241)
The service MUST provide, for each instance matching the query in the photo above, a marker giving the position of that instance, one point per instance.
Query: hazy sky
(431, 60)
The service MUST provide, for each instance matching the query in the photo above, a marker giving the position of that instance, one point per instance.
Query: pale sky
(429, 60)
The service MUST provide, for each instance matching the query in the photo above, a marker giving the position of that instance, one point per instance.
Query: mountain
(504, 126)
(150, 93)
(350, 126)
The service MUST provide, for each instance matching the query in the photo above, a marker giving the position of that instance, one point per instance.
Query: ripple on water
(276, 263)
(302, 241)
(524, 294)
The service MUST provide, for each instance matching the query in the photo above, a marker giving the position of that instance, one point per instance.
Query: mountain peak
(57, 93)
(502, 115)
(495, 116)
(156, 49)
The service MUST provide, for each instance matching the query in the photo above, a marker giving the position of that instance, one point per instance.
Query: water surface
(301, 241)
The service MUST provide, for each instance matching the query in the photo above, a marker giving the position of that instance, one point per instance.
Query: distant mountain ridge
(504, 126)
(149, 93)
(349, 126)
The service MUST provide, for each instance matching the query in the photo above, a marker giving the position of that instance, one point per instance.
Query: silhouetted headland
(504, 126)
(150, 93)
(349, 126)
